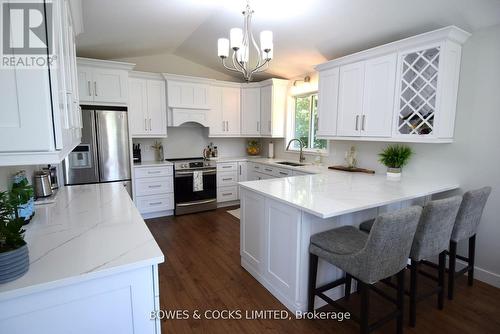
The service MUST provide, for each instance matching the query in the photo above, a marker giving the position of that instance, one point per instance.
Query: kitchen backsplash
(184, 142)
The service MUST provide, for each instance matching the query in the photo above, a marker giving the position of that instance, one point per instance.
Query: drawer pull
(227, 179)
(227, 194)
(156, 203)
(268, 170)
(155, 186)
(227, 166)
(155, 172)
(283, 173)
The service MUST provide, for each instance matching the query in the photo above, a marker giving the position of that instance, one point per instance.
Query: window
(305, 123)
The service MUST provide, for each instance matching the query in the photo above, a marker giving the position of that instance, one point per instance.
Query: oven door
(189, 201)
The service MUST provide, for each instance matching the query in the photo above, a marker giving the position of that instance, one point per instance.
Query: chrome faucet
(301, 156)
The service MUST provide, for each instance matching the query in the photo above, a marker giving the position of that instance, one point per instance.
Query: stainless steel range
(195, 185)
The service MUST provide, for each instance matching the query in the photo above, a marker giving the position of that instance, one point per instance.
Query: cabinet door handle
(227, 125)
(145, 124)
(240, 169)
(357, 121)
(95, 88)
(258, 127)
(89, 88)
(150, 129)
(363, 118)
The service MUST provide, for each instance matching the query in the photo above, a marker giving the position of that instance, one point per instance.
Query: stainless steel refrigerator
(103, 155)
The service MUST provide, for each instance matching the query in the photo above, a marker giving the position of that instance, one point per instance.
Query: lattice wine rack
(417, 104)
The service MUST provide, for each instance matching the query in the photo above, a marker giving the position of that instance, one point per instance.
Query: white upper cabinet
(378, 96)
(147, 105)
(350, 99)
(187, 92)
(250, 110)
(273, 98)
(103, 82)
(225, 110)
(405, 91)
(40, 121)
(328, 95)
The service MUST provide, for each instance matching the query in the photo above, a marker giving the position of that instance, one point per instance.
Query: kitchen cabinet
(227, 181)
(186, 92)
(242, 171)
(40, 122)
(225, 110)
(147, 105)
(328, 94)
(273, 97)
(103, 82)
(366, 97)
(154, 190)
(350, 99)
(405, 91)
(250, 110)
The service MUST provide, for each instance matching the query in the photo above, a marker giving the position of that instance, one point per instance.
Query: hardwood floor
(202, 272)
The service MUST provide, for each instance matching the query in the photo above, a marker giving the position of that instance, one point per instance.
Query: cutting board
(352, 170)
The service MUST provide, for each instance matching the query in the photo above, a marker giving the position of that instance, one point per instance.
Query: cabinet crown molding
(187, 78)
(450, 33)
(145, 75)
(105, 63)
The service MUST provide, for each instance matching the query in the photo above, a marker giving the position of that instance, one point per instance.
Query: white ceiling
(306, 32)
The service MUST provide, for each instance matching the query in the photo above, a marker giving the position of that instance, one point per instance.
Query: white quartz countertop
(152, 163)
(333, 193)
(90, 231)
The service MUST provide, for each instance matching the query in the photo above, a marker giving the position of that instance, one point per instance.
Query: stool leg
(400, 301)
(472, 254)
(413, 292)
(365, 307)
(451, 269)
(313, 270)
(347, 287)
(441, 271)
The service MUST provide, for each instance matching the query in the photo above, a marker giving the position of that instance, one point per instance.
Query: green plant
(11, 226)
(395, 156)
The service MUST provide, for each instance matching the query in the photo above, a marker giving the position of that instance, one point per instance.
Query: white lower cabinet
(227, 182)
(154, 190)
(268, 244)
(116, 303)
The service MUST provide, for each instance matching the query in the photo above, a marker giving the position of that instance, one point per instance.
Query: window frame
(290, 133)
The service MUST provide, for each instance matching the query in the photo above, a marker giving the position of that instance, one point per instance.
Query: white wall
(474, 157)
(170, 63)
(189, 142)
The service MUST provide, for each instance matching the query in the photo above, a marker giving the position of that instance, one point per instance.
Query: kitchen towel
(197, 180)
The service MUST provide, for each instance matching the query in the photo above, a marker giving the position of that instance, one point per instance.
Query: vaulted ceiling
(306, 32)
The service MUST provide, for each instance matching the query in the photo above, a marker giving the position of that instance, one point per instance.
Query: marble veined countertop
(89, 231)
(333, 193)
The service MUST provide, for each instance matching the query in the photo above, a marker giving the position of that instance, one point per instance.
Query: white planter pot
(394, 173)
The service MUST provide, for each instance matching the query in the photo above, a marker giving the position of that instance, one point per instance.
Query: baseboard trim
(482, 275)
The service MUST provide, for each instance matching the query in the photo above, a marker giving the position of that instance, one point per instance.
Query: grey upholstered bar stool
(466, 225)
(367, 258)
(431, 239)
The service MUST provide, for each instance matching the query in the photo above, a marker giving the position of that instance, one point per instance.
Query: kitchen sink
(288, 163)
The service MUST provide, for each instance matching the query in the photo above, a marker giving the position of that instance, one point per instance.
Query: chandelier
(241, 41)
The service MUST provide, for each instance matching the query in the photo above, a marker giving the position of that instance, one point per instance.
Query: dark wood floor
(202, 272)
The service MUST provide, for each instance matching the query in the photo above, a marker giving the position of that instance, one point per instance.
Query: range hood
(181, 117)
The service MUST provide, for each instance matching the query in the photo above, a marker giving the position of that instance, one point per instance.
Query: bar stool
(468, 218)
(368, 259)
(431, 239)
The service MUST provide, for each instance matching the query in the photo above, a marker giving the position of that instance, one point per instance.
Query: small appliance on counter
(136, 151)
(42, 185)
(52, 171)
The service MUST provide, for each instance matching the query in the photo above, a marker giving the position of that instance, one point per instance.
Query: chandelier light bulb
(236, 37)
(266, 40)
(223, 47)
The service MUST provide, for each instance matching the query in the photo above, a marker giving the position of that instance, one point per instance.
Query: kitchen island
(278, 217)
(93, 267)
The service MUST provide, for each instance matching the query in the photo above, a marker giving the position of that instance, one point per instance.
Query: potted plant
(14, 256)
(394, 157)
